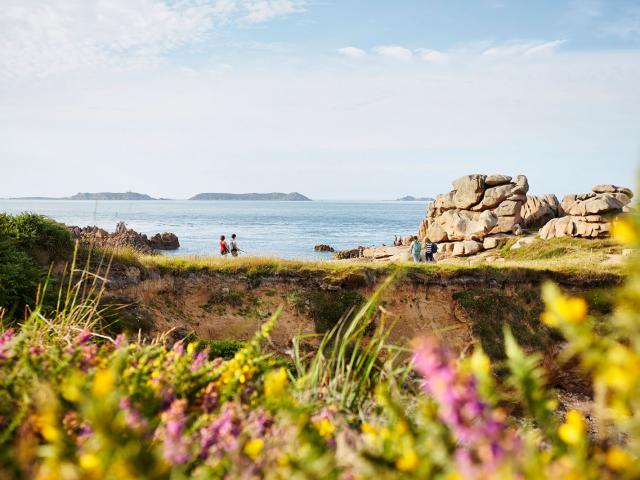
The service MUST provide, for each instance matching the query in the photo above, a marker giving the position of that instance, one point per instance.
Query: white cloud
(394, 52)
(39, 38)
(352, 52)
(543, 48)
(433, 56)
(522, 49)
(263, 10)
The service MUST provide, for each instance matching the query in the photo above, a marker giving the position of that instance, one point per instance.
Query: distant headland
(288, 197)
(410, 198)
(291, 197)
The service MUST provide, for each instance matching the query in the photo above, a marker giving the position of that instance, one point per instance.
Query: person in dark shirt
(430, 249)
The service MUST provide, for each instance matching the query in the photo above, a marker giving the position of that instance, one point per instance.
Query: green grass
(562, 248)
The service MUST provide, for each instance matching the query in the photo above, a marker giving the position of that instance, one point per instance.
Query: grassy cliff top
(560, 259)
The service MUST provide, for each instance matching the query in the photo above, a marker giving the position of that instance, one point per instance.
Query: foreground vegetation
(75, 403)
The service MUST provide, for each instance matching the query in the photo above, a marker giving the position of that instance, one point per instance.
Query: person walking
(430, 249)
(414, 248)
(233, 247)
(224, 248)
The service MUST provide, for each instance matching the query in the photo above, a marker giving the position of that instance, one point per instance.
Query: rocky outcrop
(123, 237)
(537, 211)
(323, 248)
(347, 254)
(478, 206)
(588, 215)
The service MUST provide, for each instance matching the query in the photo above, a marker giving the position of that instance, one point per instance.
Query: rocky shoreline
(124, 237)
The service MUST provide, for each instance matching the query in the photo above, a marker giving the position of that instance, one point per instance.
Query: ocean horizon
(264, 228)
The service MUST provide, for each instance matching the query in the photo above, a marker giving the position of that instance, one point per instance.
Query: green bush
(222, 348)
(26, 241)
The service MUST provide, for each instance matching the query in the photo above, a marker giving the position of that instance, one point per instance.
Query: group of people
(230, 247)
(430, 249)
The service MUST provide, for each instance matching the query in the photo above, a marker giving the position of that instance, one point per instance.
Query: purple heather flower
(200, 359)
(120, 341)
(221, 435)
(5, 344)
(178, 347)
(132, 416)
(176, 446)
(479, 429)
(35, 350)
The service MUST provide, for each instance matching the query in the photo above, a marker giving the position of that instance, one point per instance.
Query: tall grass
(350, 362)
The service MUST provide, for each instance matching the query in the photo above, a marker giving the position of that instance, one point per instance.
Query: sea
(264, 228)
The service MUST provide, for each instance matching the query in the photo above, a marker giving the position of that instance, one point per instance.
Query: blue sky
(337, 99)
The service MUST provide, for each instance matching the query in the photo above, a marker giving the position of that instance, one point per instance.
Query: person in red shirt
(224, 248)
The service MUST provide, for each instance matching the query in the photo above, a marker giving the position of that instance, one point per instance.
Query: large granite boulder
(478, 206)
(537, 211)
(468, 190)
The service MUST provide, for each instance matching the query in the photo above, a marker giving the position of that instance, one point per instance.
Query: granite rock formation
(479, 206)
(588, 215)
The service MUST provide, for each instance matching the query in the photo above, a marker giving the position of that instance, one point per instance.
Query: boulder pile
(122, 237)
(588, 215)
(537, 211)
(476, 213)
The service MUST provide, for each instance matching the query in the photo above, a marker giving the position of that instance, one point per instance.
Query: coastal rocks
(323, 248)
(164, 241)
(537, 211)
(588, 215)
(348, 254)
(123, 237)
(479, 206)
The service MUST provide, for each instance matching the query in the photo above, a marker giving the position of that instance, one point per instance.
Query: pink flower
(176, 446)
(481, 431)
(6, 339)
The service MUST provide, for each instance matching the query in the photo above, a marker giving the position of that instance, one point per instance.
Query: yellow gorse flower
(408, 461)
(325, 428)
(624, 231)
(254, 447)
(275, 382)
(617, 459)
(103, 383)
(573, 430)
(561, 308)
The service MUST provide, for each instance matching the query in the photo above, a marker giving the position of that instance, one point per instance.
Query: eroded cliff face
(233, 306)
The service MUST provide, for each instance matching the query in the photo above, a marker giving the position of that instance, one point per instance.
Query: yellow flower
(617, 459)
(623, 230)
(368, 428)
(572, 431)
(191, 347)
(407, 462)
(325, 428)
(103, 383)
(480, 364)
(275, 382)
(254, 447)
(89, 461)
(454, 476)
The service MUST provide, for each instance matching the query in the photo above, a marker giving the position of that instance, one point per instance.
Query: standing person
(414, 248)
(224, 248)
(430, 249)
(233, 247)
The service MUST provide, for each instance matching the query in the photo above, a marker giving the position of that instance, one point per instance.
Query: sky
(336, 99)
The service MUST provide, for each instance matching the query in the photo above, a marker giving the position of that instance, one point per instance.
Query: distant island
(110, 196)
(409, 198)
(96, 196)
(287, 197)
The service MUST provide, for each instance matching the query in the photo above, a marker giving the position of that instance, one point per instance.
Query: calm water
(283, 229)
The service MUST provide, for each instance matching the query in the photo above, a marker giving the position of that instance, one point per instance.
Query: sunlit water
(282, 229)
